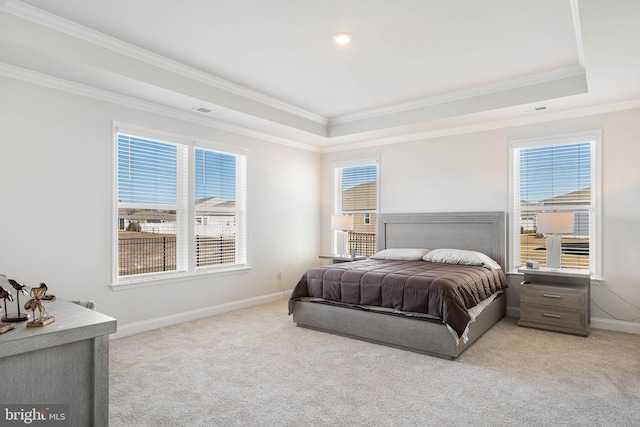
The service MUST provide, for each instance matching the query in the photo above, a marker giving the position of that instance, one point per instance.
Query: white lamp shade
(341, 222)
(555, 222)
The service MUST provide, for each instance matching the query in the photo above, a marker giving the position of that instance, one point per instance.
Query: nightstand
(336, 259)
(556, 300)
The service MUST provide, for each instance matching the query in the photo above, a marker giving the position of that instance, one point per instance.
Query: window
(356, 194)
(219, 208)
(181, 208)
(556, 174)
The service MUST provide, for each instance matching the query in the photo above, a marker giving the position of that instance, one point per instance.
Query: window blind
(219, 216)
(215, 175)
(552, 176)
(147, 171)
(555, 175)
(359, 188)
(180, 208)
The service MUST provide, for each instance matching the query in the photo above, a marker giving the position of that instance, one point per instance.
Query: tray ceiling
(413, 67)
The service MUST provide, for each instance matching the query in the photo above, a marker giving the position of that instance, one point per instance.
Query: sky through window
(552, 171)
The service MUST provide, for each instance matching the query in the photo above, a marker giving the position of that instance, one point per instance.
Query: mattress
(439, 291)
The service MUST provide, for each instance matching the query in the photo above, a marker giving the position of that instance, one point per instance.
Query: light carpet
(254, 367)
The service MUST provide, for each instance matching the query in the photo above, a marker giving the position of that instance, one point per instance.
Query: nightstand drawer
(546, 315)
(554, 296)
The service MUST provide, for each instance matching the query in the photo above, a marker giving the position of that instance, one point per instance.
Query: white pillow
(401, 254)
(459, 256)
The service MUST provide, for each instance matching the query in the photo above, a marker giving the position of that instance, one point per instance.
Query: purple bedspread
(444, 291)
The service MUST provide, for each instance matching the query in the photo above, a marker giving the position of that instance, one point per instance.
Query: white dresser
(63, 363)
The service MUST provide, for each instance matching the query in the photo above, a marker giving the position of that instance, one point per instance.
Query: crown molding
(45, 80)
(41, 79)
(461, 95)
(81, 32)
(577, 28)
(488, 126)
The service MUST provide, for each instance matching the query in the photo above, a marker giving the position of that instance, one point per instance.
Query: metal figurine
(4, 294)
(19, 317)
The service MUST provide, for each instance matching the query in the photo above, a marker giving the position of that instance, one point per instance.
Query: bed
(349, 302)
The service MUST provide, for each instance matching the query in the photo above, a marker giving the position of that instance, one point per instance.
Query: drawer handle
(557, 316)
(551, 296)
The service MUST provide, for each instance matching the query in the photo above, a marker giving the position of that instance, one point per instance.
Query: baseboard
(174, 319)
(616, 325)
(160, 322)
(513, 312)
(596, 323)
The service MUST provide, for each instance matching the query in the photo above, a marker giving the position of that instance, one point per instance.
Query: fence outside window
(156, 253)
(363, 243)
(152, 253)
(141, 255)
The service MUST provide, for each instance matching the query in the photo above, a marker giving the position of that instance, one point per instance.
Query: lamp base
(554, 251)
(343, 243)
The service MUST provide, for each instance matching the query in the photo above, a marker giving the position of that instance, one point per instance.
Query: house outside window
(556, 174)
(180, 208)
(356, 193)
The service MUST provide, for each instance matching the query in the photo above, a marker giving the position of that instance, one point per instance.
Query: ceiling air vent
(535, 109)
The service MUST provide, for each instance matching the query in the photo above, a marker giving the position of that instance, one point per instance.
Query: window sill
(163, 279)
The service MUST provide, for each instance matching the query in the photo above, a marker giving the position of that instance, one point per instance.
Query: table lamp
(342, 224)
(552, 224)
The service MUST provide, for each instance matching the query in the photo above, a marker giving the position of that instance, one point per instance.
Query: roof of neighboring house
(217, 202)
(151, 215)
(154, 215)
(573, 198)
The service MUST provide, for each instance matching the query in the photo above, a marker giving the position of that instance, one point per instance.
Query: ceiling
(414, 68)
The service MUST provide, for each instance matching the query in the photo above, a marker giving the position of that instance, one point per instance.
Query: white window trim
(595, 252)
(191, 272)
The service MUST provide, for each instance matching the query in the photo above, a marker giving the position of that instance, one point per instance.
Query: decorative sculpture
(16, 317)
(38, 295)
(4, 294)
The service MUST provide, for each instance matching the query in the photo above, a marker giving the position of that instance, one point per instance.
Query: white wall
(56, 220)
(470, 172)
(56, 189)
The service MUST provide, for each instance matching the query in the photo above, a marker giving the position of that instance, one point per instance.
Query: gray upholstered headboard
(477, 231)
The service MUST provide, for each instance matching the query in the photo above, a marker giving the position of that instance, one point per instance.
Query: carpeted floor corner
(254, 367)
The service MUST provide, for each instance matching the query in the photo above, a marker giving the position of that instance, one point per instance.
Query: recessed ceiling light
(343, 38)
